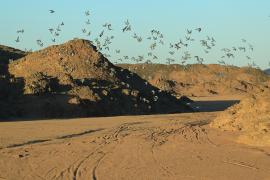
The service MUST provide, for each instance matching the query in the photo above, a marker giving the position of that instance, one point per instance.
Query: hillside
(75, 80)
(202, 80)
(7, 88)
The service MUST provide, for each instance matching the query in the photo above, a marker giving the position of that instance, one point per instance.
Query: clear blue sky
(228, 21)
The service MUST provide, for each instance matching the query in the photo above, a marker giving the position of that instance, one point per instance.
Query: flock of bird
(156, 39)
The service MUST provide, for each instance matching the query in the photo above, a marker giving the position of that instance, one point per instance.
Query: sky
(227, 21)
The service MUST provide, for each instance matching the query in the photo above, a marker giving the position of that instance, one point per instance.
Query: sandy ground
(179, 146)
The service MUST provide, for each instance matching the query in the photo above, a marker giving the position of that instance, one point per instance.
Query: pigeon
(199, 29)
(17, 40)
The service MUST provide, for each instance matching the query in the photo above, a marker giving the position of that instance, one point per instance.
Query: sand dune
(250, 117)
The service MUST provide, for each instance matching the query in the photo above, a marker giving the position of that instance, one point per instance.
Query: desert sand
(175, 146)
(250, 117)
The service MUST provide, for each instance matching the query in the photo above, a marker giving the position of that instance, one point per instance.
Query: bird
(230, 55)
(188, 38)
(88, 22)
(199, 60)
(139, 39)
(204, 42)
(155, 57)
(89, 33)
(225, 50)
(171, 52)
(101, 34)
(177, 46)
(153, 46)
(62, 24)
(51, 11)
(222, 62)
(234, 48)
(199, 29)
(84, 30)
(58, 29)
(242, 49)
(108, 26)
(40, 43)
(53, 40)
(51, 30)
(249, 58)
(17, 40)
(127, 26)
(251, 47)
(20, 31)
(87, 13)
(189, 31)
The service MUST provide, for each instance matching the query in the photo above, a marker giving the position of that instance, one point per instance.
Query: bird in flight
(199, 29)
(244, 41)
(56, 34)
(88, 22)
(51, 30)
(87, 13)
(234, 48)
(177, 46)
(40, 43)
(17, 40)
(251, 47)
(108, 26)
(230, 55)
(58, 29)
(242, 49)
(101, 34)
(222, 62)
(199, 60)
(51, 11)
(189, 31)
(84, 31)
(20, 31)
(127, 27)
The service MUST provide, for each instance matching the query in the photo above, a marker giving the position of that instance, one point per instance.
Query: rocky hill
(202, 80)
(8, 90)
(75, 80)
